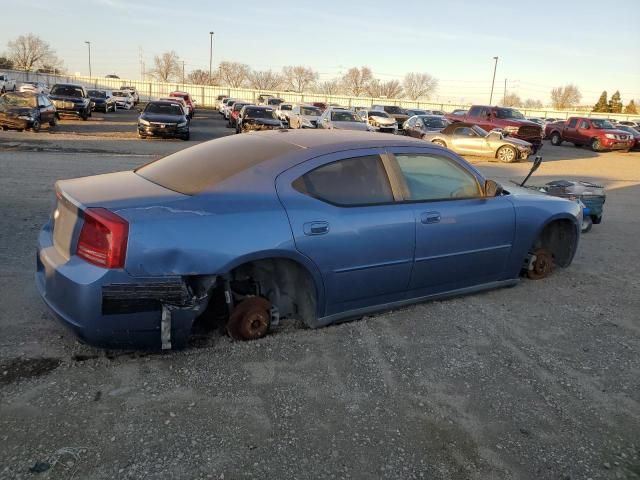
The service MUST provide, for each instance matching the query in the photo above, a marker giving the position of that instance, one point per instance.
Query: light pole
(495, 67)
(89, 45)
(210, 54)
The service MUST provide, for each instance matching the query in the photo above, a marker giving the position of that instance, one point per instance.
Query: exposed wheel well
(285, 283)
(560, 238)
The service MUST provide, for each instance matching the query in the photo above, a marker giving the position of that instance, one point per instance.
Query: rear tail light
(103, 238)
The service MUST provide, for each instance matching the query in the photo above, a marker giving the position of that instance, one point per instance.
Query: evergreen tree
(631, 108)
(602, 105)
(615, 104)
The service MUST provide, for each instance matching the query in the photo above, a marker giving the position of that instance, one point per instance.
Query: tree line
(30, 53)
(297, 78)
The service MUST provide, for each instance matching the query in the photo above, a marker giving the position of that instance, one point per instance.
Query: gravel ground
(539, 381)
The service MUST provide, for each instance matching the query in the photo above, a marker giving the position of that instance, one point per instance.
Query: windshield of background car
(285, 106)
(631, 130)
(344, 117)
(509, 113)
(376, 113)
(164, 108)
(480, 131)
(605, 124)
(259, 113)
(201, 168)
(315, 112)
(395, 110)
(121, 94)
(274, 101)
(238, 106)
(9, 100)
(97, 94)
(434, 122)
(66, 91)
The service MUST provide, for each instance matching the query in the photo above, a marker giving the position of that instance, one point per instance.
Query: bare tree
(264, 80)
(198, 77)
(419, 85)
(233, 74)
(512, 100)
(30, 51)
(356, 80)
(329, 87)
(166, 66)
(299, 78)
(565, 97)
(390, 89)
(531, 103)
(6, 63)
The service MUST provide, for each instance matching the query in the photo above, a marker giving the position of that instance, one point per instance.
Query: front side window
(573, 122)
(432, 177)
(464, 132)
(475, 111)
(349, 182)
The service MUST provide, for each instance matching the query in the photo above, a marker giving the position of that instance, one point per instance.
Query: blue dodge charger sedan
(321, 226)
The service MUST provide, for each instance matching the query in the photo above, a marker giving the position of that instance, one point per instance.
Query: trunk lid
(113, 191)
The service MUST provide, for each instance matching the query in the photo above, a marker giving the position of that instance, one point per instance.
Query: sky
(540, 44)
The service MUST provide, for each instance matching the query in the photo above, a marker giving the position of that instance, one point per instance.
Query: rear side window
(349, 182)
(432, 177)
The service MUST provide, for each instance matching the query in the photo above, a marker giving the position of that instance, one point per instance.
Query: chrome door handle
(316, 228)
(430, 217)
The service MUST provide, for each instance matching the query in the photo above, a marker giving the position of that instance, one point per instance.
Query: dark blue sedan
(321, 226)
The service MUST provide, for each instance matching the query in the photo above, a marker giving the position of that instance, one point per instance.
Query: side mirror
(492, 188)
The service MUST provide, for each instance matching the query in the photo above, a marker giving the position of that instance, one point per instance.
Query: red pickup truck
(509, 120)
(598, 133)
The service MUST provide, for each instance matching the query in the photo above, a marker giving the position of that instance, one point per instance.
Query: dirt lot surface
(539, 381)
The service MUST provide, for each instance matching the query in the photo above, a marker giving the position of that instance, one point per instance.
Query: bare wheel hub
(250, 320)
(542, 264)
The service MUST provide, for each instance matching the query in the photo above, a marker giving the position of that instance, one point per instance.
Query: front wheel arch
(560, 236)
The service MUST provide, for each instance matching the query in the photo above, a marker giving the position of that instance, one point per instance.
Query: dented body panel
(180, 244)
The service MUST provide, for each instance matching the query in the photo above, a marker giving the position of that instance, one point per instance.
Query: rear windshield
(97, 94)
(259, 113)
(67, 91)
(196, 169)
(164, 108)
(395, 110)
(338, 116)
(311, 111)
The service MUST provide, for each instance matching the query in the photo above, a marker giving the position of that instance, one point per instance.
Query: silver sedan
(468, 139)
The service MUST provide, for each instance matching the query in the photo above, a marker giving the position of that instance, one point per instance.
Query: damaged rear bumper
(112, 309)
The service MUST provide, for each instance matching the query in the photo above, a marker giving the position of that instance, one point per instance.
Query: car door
(583, 132)
(343, 217)
(46, 109)
(413, 126)
(466, 141)
(463, 238)
(570, 132)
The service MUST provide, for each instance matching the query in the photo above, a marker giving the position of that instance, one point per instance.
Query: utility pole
(504, 95)
(495, 67)
(210, 54)
(89, 45)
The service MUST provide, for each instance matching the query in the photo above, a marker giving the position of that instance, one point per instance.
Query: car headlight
(610, 135)
(142, 121)
(182, 124)
(25, 117)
